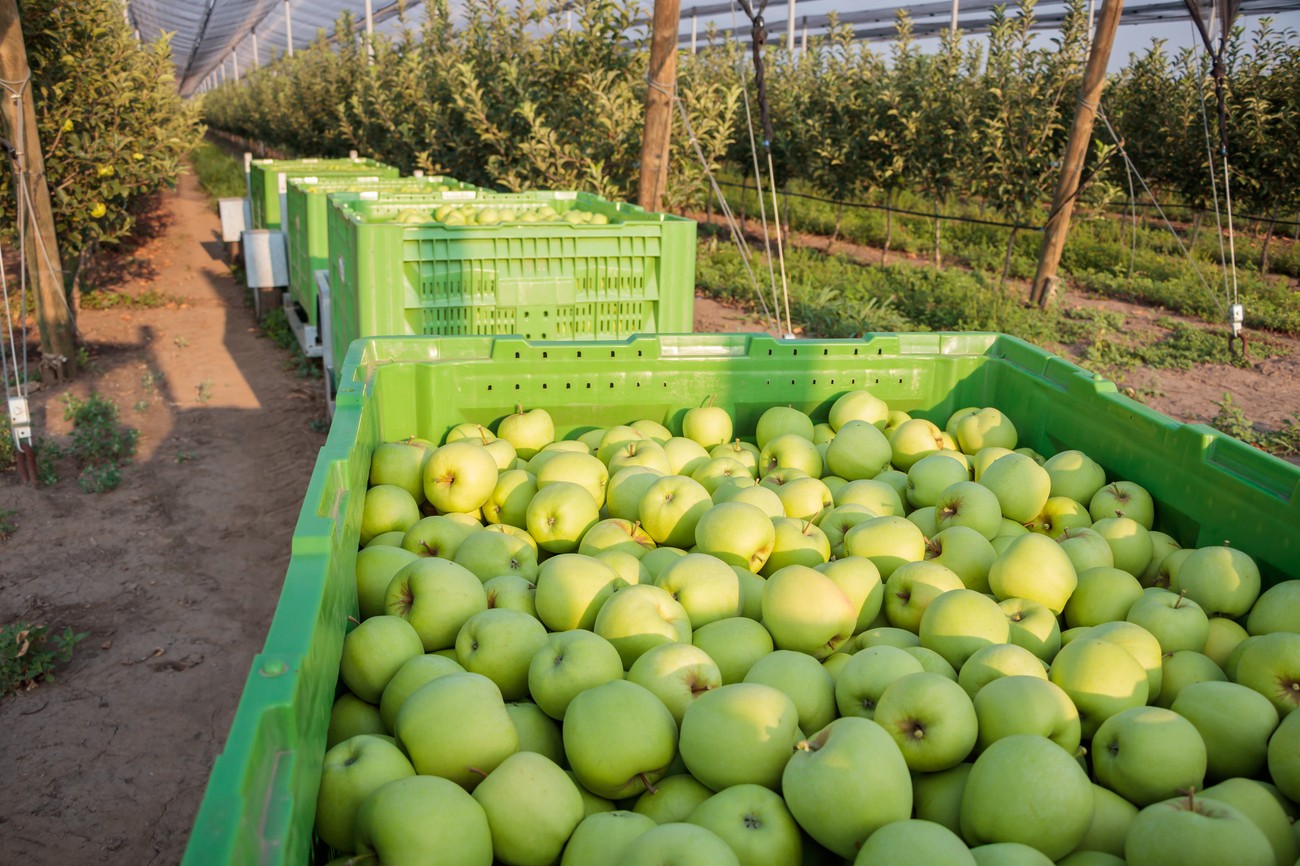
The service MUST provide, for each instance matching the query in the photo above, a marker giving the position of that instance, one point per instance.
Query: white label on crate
(460, 195)
(565, 195)
(284, 183)
(370, 195)
(309, 179)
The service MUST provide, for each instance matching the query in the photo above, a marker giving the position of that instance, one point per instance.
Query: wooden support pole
(1076, 151)
(288, 27)
(18, 126)
(659, 104)
(257, 61)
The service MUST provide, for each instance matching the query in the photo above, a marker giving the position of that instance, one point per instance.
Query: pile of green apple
(463, 214)
(868, 640)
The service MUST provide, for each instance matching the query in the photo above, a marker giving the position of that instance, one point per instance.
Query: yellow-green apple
(1010, 529)
(680, 844)
(1162, 545)
(705, 586)
(997, 661)
(1140, 643)
(888, 542)
(932, 662)
(1284, 757)
(1112, 816)
(961, 621)
(658, 559)
(734, 645)
(834, 663)
(1086, 549)
(930, 476)
(677, 674)
(1234, 721)
(1225, 635)
(571, 588)
(866, 675)
(1130, 542)
(402, 464)
(790, 451)
(718, 471)
(386, 539)
(1181, 669)
(1234, 657)
(1034, 567)
(500, 645)
(671, 507)
(1167, 573)
(755, 822)
(805, 610)
(569, 663)
(537, 731)
(405, 819)
(913, 842)
(967, 503)
(672, 798)
(1271, 666)
(875, 495)
(798, 542)
(1278, 609)
(839, 520)
(950, 426)
(1258, 803)
(1014, 705)
(806, 499)
(1101, 677)
(1103, 594)
(387, 508)
(436, 535)
(603, 837)
(581, 469)
(741, 490)
(912, 440)
(932, 720)
(652, 429)
(615, 533)
(637, 618)
(532, 808)
(1020, 485)
(744, 453)
(1222, 580)
(1059, 514)
(926, 520)
(460, 476)
(508, 504)
(1076, 475)
(376, 567)
(614, 438)
(911, 589)
(708, 426)
(626, 566)
(1177, 622)
(803, 680)
(984, 428)
(560, 515)
(1123, 499)
(415, 673)
(981, 460)
(1008, 854)
(884, 636)
(859, 405)
(619, 739)
(529, 431)
(751, 592)
(827, 768)
(1148, 754)
(638, 452)
(1025, 788)
(965, 553)
(1033, 626)
(488, 554)
(823, 433)
(1194, 831)
(374, 651)
(779, 420)
(859, 579)
(684, 456)
(352, 770)
(502, 452)
(457, 727)
(350, 716)
(625, 489)
(739, 733)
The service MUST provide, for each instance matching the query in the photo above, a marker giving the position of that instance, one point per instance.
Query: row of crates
(366, 258)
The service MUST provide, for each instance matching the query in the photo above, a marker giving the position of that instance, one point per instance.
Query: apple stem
(519, 408)
(483, 434)
(352, 619)
(478, 771)
(1181, 595)
(710, 403)
(646, 781)
(361, 858)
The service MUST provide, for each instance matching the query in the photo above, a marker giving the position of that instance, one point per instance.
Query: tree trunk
(839, 218)
(1196, 228)
(1006, 267)
(938, 254)
(1268, 238)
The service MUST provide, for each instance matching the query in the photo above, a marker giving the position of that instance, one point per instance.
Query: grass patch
(219, 173)
(275, 325)
(149, 299)
(1230, 419)
(30, 653)
(100, 445)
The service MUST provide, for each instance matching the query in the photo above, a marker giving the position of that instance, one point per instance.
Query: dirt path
(174, 575)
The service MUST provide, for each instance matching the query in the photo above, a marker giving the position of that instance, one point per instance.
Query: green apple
(374, 651)
(859, 405)
(1278, 609)
(1103, 594)
(718, 471)
(571, 588)
(981, 460)
(1224, 637)
(961, 621)
(503, 453)
(513, 592)
(912, 440)
(402, 464)
(1222, 580)
(638, 618)
(672, 798)
(1235, 723)
(964, 552)
(1033, 626)
(1148, 754)
(1086, 549)
(806, 499)
(1161, 546)
(1013, 705)
(460, 476)
(985, 428)
(500, 645)
(932, 662)
(708, 426)
(779, 420)
(626, 566)
(1130, 543)
(755, 822)
(560, 515)
(659, 559)
(678, 844)
(402, 821)
(488, 554)
(1020, 485)
(670, 509)
(437, 535)
(1234, 657)
(926, 520)
(1112, 816)
(790, 451)
(751, 592)
(1255, 801)
(802, 679)
(637, 452)
(739, 733)
(619, 739)
(1167, 573)
(1059, 514)
(798, 542)
(537, 731)
(1194, 831)
(1009, 854)
(827, 767)
(1092, 858)
(805, 610)
(1034, 567)
(569, 663)
(912, 587)
(415, 673)
(352, 770)
(457, 727)
(889, 542)
(1075, 474)
(937, 796)
(707, 588)
(1177, 622)
(1284, 757)
(581, 469)
(387, 508)
(885, 635)
(386, 539)
(1101, 677)
(375, 569)
(875, 495)
(614, 438)
(684, 456)
(602, 838)
(931, 718)
(866, 675)
(1025, 788)
(836, 523)
(970, 504)
(914, 842)
(529, 431)
(1271, 666)
(677, 674)
(1141, 644)
(532, 808)
(508, 504)
(859, 579)
(996, 661)
(350, 716)
(734, 644)
(931, 476)
(1181, 669)
(626, 488)
(742, 490)
(1123, 499)
(744, 453)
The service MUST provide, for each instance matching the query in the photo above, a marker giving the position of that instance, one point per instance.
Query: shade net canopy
(231, 37)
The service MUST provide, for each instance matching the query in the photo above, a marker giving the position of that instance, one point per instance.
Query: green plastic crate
(307, 210)
(260, 800)
(543, 281)
(268, 181)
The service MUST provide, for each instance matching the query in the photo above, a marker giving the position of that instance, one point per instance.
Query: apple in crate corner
(406, 818)
(353, 770)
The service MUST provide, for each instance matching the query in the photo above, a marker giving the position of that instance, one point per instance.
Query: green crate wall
(268, 180)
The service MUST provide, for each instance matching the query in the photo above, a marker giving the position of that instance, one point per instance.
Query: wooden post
(789, 32)
(1076, 150)
(257, 61)
(18, 122)
(659, 104)
(288, 27)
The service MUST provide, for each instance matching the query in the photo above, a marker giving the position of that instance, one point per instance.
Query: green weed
(29, 654)
(221, 174)
(100, 445)
(204, 389)
(149, 299)
(1230, 419)
(7, 525)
